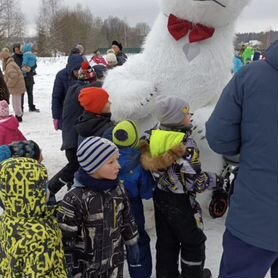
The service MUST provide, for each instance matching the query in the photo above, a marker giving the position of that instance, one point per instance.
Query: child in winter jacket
(9, 131)
(139, 185)
(28, 149)
(96, 118)
(172, 156)
(30, 238)
(29, 62)
(95, 215)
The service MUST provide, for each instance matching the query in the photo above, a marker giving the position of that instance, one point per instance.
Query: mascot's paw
(131, 98)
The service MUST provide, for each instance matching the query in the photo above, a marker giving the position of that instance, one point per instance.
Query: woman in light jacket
(14, 80)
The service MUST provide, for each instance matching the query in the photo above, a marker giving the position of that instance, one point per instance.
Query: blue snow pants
(144, 268)
(242, 260)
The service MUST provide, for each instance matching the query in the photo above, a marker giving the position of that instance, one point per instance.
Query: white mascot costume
(188, 53)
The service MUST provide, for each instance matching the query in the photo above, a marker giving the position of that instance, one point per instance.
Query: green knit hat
(126, 135)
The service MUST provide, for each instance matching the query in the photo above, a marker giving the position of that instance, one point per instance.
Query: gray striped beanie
(94, 152)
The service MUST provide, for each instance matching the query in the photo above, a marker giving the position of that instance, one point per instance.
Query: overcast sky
(260, 15)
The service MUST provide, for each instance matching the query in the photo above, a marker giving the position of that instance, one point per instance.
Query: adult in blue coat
(245, 122)
(64, 79)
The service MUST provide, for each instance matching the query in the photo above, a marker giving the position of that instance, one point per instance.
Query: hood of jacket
(9, 123)
(271, 55)
(27, 47)
(163, 150)
(74, 63)
(23, 187)
(90, 124)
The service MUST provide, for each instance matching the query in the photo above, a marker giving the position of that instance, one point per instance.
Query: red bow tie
(179, 28)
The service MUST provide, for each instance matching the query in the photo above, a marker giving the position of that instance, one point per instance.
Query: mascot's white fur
(195, 71)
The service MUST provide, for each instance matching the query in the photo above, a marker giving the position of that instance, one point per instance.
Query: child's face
(187, 121)
(110, 170)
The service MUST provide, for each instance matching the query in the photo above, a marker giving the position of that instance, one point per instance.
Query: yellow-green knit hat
(126, 135)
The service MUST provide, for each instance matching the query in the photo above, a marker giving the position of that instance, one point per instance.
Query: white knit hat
(94, 152)
(111, 59)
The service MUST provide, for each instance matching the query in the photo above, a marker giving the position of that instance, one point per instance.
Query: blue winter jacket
(237, 64)
(245, 122)
(62, 83)
(137, 181)
(29, 58)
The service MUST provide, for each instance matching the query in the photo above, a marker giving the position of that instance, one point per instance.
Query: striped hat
(94, 152)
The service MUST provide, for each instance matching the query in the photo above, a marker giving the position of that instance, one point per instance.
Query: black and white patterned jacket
(95, 227)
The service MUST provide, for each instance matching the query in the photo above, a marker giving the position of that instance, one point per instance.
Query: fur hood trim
(163, 161)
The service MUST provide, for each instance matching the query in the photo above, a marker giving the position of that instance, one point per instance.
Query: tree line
(266, 38)
(60, 28)
(12, 23)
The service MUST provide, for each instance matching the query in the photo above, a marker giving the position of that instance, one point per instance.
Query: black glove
(219, 203)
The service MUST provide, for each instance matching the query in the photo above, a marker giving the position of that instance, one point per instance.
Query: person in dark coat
(96, 118)
(4, 92)
(95, 216)
(29, 78)
(71, 112)
(121, 56)
(244, 122)
(64, 79)
(17, 54)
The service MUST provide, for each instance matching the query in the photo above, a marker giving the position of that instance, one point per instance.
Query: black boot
(34, 109)
(207, 273)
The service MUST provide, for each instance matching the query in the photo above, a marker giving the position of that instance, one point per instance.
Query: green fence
(129, 50)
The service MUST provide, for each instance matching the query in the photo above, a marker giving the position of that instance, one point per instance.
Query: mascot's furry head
(216, 13)
(194, 70)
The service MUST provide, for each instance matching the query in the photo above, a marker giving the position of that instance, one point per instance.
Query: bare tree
(47, 13)
(60, 29)
(115, 29)
(12, 21)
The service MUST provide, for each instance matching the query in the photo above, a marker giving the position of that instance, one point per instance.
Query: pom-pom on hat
(94, 152)
(171, 110)
(125, 134)
(93, 99)
(86, 72)
(4, 109)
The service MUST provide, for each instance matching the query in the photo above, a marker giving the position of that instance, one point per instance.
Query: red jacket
(9, 131)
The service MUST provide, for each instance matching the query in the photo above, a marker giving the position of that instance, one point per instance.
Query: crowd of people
(112, 167)
(245, 55)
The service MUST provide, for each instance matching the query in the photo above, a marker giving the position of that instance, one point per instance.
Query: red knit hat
(86, 72)
(93, 99)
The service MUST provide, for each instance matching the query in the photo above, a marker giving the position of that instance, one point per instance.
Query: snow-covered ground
(39, 127)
